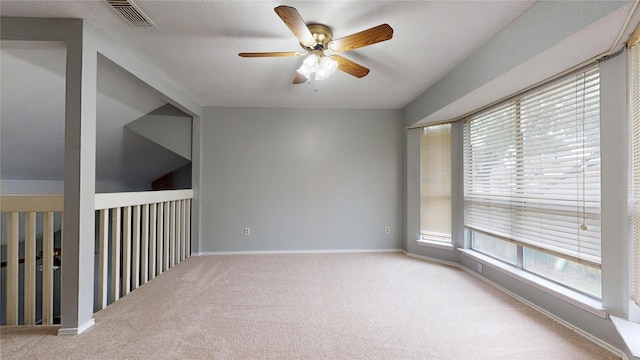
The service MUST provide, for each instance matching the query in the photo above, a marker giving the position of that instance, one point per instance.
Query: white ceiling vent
(131, 13)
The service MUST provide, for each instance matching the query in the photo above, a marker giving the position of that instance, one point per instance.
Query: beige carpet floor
(310, 306)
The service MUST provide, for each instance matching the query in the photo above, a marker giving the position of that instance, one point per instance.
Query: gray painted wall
(301, 179)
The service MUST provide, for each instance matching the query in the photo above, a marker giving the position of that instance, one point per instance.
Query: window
(435, 183)
(634, 64)
(532, 180)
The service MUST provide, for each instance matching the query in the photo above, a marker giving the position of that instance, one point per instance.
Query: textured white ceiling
(197, 42)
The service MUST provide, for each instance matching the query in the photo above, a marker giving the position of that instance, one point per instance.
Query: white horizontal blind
(435, 183)
(489, 162)
(634, 67)
(532, 169)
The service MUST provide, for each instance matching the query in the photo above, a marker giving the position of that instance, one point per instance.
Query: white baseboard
(272, 252)
(427, 258)
(76, 331)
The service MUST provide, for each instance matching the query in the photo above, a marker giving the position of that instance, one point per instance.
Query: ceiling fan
(317, 42)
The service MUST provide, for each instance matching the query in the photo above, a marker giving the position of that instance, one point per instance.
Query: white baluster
(188, 226)
(179, 249)
(115, 254)
(126, 250)
(47, 268)
(103, 259)
(153, 230)
(160, 239)
(144, 252)
(166, 234)
(135, 251)
(30, 268)
(13, 230)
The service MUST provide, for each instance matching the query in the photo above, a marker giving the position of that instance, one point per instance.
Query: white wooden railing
(149, 231)
(29, 206)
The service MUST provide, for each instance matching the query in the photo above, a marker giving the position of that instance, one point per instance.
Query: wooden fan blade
(350, 67)
(272, 54)
(294, 22)
(299, 79)
(363, 38)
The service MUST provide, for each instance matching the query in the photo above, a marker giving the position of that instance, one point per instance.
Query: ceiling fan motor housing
(322, 34)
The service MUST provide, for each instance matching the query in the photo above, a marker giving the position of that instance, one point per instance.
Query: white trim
(630, 333)
(435, 260)
(588, 336)
(272, 252)
(114, 200)
(37, 203)
(634, 312)
(76, 331)
(436, 244)
(584, 302)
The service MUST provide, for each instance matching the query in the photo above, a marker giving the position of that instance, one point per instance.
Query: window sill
(575, 298)
(629, 332)
(435, 244)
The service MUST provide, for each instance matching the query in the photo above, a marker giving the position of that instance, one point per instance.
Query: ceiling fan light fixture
(326, 67)
(322, 66)
(308, 66)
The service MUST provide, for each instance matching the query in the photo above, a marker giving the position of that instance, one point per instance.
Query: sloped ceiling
(32, 113)
(166, 126)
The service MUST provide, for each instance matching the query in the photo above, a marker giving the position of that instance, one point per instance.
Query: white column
(79, 183)
(613, 153)
(194, 204)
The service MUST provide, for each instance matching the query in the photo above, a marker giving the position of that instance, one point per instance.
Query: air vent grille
(131, 13)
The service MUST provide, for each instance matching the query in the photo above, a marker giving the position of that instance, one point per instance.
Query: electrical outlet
(247, 231)
(479, 268)
(387, 230)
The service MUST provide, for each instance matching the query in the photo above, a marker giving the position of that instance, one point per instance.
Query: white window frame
(634, 114)
(440, 163)
(509, 110)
